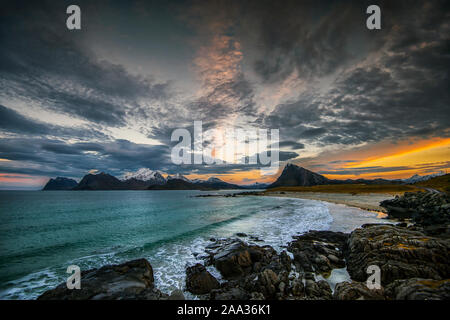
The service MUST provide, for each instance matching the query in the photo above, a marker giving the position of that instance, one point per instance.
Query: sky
(348, 102)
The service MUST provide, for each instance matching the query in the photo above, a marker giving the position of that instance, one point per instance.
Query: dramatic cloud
(401, 91)
(43, 62)
(13, 122)
(108, 96)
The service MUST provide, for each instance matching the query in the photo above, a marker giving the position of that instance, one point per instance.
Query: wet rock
(356, 291)
(176, 294)
(298, 288)
(233, 261)
(257, 296)
(257, 271)
(268, 283)
(199, 280)
(319, 251)
(130, 280)
(319, 290)
(400, 253)
(235, 293)
(419, 289)
(424, 208)
(241, 234)
(255, 239)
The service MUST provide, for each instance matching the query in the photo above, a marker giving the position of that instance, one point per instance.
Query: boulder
(319, 290)
(298, 288)
(199, 280)
(176, 294)
(419, 289)
(268, 283)
(234, 293)
(356, 291)
(319, 251)
(399, 252)
(424, 208)
(130, 280)
(235, 259)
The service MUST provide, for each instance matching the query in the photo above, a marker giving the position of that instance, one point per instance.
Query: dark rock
(319, 290)
(130, 280)
(234, 258)
(356, 291)
(199, 280)
(257, 271)
(233, 261)
(400, 253)
(419, 289)
(268, 282)
(298, 288)
(176, 295)
(319, 251)
(424, 208)
(402, 225)
(241, 234)
(257, 296)
(235, 293)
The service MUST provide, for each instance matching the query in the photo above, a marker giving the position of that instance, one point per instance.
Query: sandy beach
(370, 201)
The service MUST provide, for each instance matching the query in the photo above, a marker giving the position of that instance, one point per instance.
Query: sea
(43, 232)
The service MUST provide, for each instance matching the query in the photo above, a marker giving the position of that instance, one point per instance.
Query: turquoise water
(41, 233)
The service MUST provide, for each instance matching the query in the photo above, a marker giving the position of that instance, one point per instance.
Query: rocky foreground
(414, 260)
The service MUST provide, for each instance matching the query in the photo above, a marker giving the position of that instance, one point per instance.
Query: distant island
(292, 176)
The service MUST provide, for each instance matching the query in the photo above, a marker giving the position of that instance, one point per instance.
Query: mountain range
(143, 179)
(146, 179)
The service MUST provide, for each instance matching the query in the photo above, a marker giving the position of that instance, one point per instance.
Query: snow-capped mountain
(213, 180)
(178, 176)
(416, 178)
(145, 174)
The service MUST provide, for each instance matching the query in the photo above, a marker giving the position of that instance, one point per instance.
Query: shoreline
(368, 202)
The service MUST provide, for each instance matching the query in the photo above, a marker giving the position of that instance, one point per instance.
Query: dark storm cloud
(13, 122)
(286, 155)
(291, 144)
(402, 92)
(52, 157)
(44, 62)
(314, 38)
